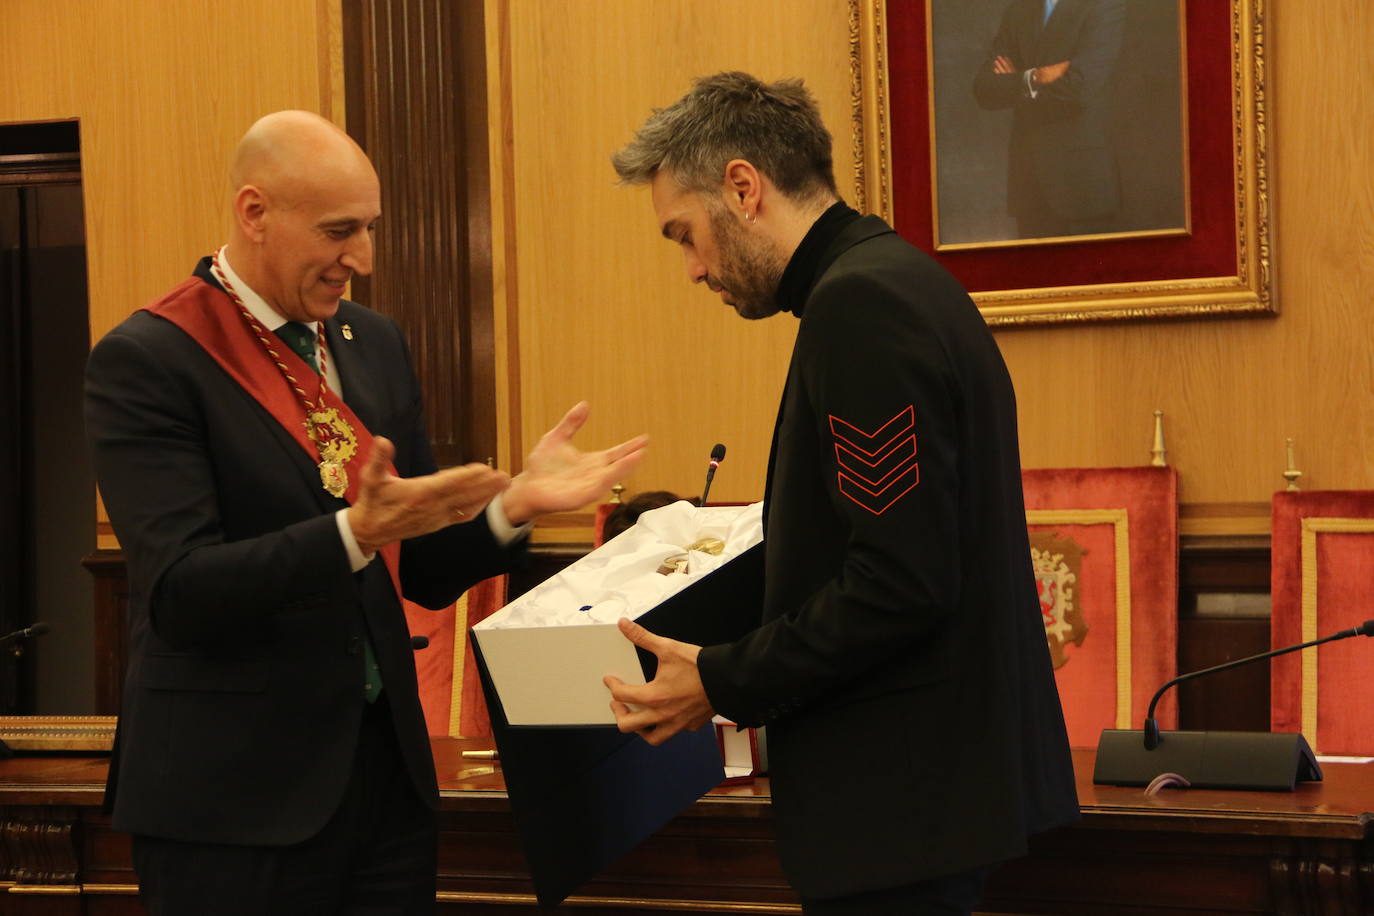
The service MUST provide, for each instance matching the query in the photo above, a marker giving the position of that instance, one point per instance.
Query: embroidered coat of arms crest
(1057, 562)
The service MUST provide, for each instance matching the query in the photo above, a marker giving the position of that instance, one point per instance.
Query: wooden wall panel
(598, 304)
(605, 312)
(163, 92)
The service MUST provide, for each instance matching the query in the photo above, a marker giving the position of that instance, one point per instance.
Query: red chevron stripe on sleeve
(877, 469)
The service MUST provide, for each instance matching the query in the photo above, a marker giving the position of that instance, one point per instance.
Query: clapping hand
(390, 508)
(559, 477)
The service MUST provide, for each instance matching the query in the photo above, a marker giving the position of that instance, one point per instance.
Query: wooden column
(415, 77)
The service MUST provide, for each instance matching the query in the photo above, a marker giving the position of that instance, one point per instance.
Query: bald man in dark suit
(260, 447)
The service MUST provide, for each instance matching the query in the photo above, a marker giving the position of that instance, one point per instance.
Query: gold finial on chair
(616, 491)
(1292, 473)
(1157, 453)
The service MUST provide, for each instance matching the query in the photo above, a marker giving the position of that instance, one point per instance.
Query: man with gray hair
(915, 733)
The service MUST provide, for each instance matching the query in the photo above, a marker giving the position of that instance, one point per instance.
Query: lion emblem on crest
(1056, 563)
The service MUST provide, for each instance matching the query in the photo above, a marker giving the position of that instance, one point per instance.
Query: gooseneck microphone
(1215, 760)
(717, 456)
(1152, 736)
(30, 631)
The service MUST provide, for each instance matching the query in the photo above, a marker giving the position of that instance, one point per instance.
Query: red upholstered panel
(1344, 596)
(483, 599)
(434, 666)
(1088, 678)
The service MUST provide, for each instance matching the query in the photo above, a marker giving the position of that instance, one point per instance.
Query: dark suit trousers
(376, 855)
(951, 895)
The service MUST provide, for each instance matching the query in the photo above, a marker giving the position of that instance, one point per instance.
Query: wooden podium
(1182, 852)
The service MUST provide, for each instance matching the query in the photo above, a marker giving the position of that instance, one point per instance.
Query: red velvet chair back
(450, 691)
(1104, 546)
(1322, 581)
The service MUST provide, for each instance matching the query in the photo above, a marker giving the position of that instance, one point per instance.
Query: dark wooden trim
(1237, 700)
(1182, 852)
(67, 161)
(480, 378)
(415, 78)
(110, 572)
(510, 251)
(40, 168)
(16, 478)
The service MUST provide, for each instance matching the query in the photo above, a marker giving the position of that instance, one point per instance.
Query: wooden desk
(1184, 852)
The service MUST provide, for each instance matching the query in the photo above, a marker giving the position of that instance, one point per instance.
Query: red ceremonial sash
(213, 321)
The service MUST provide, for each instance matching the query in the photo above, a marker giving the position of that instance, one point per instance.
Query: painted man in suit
(915, 734)
(261, 451)
(1052, 63)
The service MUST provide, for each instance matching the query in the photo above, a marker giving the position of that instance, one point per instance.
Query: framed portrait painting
(1072, 160)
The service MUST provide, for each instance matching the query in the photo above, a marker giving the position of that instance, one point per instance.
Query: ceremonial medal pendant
(334, 478)
(336, 442)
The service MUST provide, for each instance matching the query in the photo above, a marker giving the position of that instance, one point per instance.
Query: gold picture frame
(1233, 154)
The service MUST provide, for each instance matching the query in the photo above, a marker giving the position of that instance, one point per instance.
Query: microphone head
(419, 642)
(718, 453)
(1366, 628)
(38, 629)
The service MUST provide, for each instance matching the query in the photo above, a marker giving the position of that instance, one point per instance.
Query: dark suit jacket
(243, 695)
(913, 721)
(1061, 156)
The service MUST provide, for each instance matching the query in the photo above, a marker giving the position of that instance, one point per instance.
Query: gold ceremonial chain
(330, 433)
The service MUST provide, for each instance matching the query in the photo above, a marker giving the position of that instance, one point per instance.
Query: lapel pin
(347, 332)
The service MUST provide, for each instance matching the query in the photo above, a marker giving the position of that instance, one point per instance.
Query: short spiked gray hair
(774, 126)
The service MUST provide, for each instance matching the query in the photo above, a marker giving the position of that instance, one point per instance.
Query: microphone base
(1273, 761)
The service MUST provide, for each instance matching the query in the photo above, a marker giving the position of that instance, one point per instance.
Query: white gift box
(547, 652)
(584, 796)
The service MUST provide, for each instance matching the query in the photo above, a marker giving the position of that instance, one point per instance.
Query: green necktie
(301, 339)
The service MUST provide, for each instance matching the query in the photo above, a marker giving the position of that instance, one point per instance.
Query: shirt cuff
(501, 528)
(356, 558)
(1030, 83)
